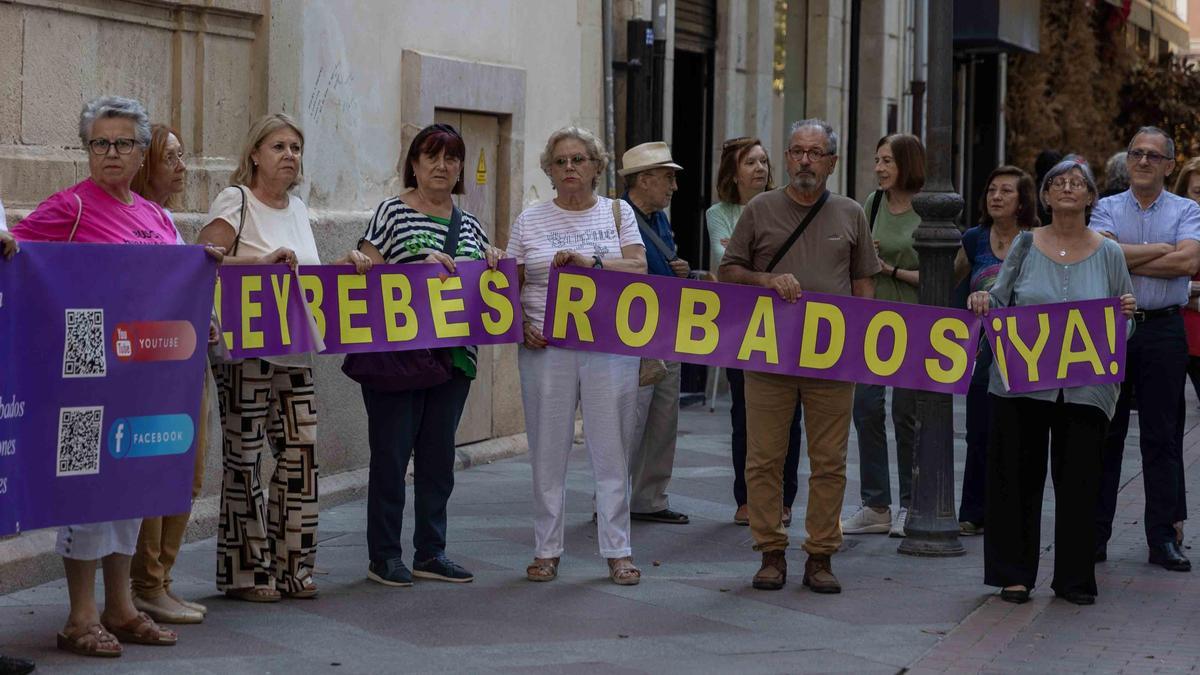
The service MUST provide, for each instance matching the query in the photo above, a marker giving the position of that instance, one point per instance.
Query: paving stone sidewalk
(694, 611)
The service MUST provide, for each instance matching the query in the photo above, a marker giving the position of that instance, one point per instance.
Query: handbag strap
(450, 246)
(652, 236)
(787, 245)
(241, 222)
(1021, 250)
(78, 216)
(879, 197)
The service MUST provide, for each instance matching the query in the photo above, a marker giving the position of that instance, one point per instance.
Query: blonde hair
(265, 126)
(595, 150)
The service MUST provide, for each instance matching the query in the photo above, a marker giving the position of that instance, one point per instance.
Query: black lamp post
(932, 528)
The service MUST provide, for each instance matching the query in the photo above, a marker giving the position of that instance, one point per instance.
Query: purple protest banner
(267, 310)
(827, 336)
(103, 352)
(1051, 346)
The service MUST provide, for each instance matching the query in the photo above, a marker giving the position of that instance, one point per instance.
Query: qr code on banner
(83, 353)
(79, 441)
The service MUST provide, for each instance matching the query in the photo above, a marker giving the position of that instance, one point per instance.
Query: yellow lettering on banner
(1030, 356)
(488, 282)
(440, 307)
(689, 321)
(398, 306)
(281, 297)
(642, 336)
(814, 314)
(576, 309)
(998, 350)
(226, 335)
(885, 319)
(1076, 326)
(251, 339)
(760, 332)
(948, 348)
(314, 295)
(348, 309)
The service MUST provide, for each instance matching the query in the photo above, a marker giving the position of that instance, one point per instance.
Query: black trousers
(737, 414)
(1016, 479)
(419, 424)
(971, 508)
(1156, 361)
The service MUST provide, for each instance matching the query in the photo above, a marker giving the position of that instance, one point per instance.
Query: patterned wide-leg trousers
(260, 543)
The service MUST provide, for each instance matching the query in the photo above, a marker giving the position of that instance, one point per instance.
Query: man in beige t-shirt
(833, 255)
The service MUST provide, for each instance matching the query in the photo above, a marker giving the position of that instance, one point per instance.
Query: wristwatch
(598, 262)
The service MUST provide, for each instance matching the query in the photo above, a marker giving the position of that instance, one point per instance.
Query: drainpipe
(610, 125)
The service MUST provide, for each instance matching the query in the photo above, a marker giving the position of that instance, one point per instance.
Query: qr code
(83, 353)
(79, 441)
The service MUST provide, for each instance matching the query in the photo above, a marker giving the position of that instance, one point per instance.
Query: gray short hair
(1063, 167)
(825, 127)
(1116, 173)
(115, 106)
(1158, 132)
(595, 149)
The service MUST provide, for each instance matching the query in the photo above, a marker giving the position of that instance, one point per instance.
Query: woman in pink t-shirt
(103, 209)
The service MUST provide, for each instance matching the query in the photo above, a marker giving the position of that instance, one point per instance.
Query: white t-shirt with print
(545, 229)
(267, 228)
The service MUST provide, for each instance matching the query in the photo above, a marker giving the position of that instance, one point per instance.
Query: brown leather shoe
(773, 573)
(818, 575)
(742, 515)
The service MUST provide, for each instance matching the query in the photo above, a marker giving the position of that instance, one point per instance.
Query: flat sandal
(542, 569)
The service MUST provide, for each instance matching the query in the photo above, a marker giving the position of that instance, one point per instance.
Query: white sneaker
(867, 521)
(901, 520)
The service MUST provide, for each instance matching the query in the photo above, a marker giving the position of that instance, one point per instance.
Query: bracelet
(894, 270)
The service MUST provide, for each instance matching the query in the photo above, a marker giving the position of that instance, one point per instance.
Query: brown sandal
(542, 569)
(141, 630)
(253, 594)
(91, 640)
(307, 593)
(623, 572)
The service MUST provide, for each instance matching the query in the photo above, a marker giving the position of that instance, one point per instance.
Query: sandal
(307, 593)
(542, 569)
(141, 630)
(623, 572)
(253, 594)
(91, 640)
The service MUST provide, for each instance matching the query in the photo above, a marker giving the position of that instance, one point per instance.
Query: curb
(29, 560)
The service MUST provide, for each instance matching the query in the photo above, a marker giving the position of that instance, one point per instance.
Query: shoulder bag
(791, 240)
(411, 369)
(650, 371)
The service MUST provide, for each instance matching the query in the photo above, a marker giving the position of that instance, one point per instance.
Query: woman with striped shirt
(420, 423)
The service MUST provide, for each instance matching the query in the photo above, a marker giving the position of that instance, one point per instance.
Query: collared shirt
(656, 262)
(1169, 220)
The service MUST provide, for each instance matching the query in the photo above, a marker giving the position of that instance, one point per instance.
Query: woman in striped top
(422, 422)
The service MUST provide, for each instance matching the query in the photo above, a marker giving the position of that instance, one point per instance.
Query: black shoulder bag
(879, 197)
(412, 369)
(787, 245)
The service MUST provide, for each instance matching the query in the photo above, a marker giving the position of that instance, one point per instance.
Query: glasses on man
(173, 159)
(1063, 183)
(573, 160)
(814, 154)
(100, 146)
(1149, 155)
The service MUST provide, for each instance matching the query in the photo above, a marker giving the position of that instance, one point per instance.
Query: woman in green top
(422, 422)
(900, 168)
(744, 172)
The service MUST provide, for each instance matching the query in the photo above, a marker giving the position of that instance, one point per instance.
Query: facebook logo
(150, 436)
(119, 440)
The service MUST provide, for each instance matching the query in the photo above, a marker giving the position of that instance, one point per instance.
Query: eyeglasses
(814, 155)
(100, 146)
(1062, 183)
(574, 160)
(173, 159)
(1136, 156)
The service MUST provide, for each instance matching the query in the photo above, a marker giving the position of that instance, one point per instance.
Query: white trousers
(553, 382)
(93, 541)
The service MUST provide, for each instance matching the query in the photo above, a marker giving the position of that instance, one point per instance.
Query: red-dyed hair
(430, 141)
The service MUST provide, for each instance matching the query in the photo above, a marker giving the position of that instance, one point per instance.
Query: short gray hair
(1063, 167)
(1116, 173)
(1158, 132)
(815, 123)
(595, 149)
(115, 106)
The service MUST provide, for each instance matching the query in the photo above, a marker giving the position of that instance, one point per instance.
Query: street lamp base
(932, 546)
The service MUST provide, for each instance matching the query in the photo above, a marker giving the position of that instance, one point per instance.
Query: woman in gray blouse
(1061, 262)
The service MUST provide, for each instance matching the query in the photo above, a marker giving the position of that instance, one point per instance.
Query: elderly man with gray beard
(800, 237)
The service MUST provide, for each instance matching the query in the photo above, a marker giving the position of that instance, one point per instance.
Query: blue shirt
(656, 262)
(1169, 220)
